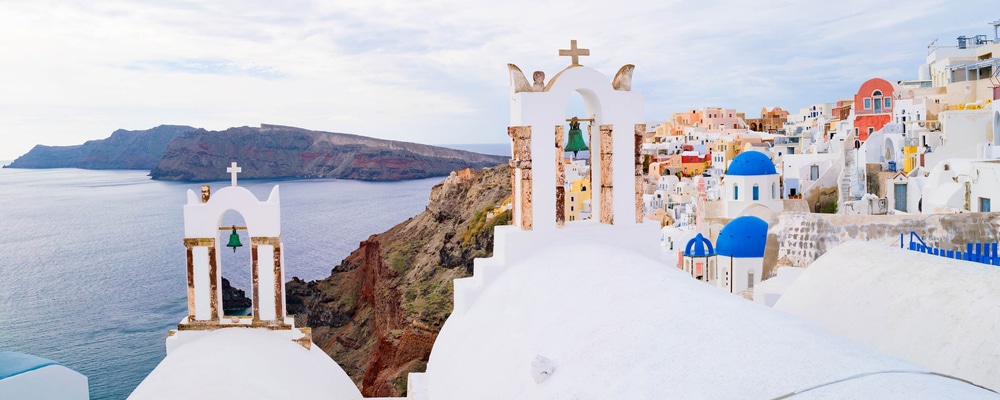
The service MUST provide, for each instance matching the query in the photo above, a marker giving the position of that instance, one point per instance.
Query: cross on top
(234, 170)
(574, 52)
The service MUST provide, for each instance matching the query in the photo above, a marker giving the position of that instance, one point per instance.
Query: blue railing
(983, 253)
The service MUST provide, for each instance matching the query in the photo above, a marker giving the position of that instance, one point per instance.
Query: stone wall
(797, 239)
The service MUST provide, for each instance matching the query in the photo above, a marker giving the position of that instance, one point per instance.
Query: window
(736, 192)
(888, 102)
(774, 190)
(584, 189)
(750, 280)
(572, 208)
(814, 172)
(871, 130)
(877, 93)
(984, 204)
(756, 192)
(868, 103)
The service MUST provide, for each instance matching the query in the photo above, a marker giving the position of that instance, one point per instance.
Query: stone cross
(574, 52)
(234, 170)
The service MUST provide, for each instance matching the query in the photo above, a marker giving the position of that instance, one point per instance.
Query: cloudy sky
(432, 71)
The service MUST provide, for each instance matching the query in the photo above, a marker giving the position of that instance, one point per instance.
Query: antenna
(996, 30)
(931, 47)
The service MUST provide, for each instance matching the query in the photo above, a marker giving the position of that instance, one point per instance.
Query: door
(900, 192)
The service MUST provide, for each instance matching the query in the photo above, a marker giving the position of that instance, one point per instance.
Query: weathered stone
(638, 198)
(607, 213)
(607, 179)
(607, 142)
(560, 205)
(560, 177)
(526, 202)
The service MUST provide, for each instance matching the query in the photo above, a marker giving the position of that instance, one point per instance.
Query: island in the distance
(181, 153)
(122, 150)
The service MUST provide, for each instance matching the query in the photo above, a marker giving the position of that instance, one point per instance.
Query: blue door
(900, 196)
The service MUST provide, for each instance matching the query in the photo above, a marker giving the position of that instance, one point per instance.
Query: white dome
(931, 310)
(596, 322)
(245, 363)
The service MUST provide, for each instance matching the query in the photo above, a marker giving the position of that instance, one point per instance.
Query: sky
(432, 71)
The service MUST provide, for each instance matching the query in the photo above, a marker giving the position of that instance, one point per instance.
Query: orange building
(872, 107)
(770, 120)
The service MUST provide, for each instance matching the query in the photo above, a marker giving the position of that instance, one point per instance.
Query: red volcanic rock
(380, 310)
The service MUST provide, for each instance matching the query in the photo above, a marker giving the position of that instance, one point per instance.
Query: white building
(699, 258)
(28, 377)
(806, 173)
(524, 328)
(740, 254)
(932, 311)
(957, 185)
(261, 356)
(752, 181)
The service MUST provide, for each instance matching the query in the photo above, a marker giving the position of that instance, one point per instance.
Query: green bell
(234, 240)
(575, 142)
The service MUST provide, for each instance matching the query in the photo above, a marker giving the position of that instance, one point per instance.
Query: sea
(92, 263)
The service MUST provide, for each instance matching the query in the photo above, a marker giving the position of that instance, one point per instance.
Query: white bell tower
(202, 237)
(538, 110)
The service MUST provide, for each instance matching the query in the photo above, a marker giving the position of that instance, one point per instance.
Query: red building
(872, 107)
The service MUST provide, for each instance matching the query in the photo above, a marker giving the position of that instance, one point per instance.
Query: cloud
(215, 67)
(431, 71)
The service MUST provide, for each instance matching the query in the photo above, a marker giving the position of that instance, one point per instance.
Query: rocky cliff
(234, 299)
(380, 310)
(273, 151)
(122, 150)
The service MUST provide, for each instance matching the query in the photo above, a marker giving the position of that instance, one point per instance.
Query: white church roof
(25, 376)
(933, 311)
(246, 363)
(584, 320)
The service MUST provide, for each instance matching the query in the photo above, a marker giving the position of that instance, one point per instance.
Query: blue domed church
(699, 258)
(740, 254)
(751, 181)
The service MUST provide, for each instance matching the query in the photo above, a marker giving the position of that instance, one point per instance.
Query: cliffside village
(571, 308)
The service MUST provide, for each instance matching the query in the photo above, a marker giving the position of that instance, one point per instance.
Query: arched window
(584, 188)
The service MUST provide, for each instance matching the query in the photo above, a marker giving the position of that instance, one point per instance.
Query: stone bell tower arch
(202, 217)
(537, 117)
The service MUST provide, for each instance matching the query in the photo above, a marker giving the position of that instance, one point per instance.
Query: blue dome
(699, 247)
(743, 237)
(13, 364)
(751, 163)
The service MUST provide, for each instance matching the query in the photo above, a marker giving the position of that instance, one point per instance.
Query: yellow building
(578, 192)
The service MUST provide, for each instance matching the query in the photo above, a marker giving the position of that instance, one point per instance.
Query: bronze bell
(234, 240)
(575, 142)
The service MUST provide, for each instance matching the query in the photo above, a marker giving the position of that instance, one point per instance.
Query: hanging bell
(575, 142)
(234, 240)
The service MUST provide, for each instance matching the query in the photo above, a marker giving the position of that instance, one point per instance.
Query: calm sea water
(92, 262)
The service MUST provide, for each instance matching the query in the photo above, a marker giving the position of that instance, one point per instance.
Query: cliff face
(122, 150)
(284, 152)
(380, 310)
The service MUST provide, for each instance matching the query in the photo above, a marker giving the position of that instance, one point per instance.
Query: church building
(699, 258)
(740, 254)
(751, 181)
(260, 356)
